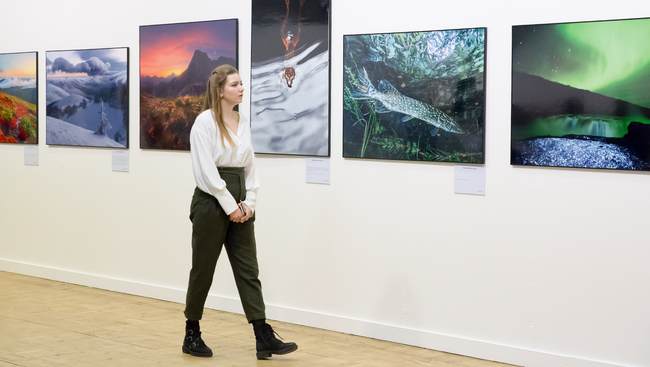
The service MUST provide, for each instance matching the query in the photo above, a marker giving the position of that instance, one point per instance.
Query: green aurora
(609, 57)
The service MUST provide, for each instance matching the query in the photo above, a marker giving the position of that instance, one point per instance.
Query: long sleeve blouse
(208, 153)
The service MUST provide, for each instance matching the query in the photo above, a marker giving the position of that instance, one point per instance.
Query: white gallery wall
(549, 268)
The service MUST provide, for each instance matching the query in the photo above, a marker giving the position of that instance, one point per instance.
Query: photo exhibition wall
(547, 269)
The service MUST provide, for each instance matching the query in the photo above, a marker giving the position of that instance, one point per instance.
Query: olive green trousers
(212, 230)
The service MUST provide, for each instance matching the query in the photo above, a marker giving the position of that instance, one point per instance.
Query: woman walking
(223, 212)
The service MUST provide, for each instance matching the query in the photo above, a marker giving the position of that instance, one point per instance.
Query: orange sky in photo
(18, 65)
(170, 49)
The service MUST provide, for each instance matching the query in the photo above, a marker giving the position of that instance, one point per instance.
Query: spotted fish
(389, 99)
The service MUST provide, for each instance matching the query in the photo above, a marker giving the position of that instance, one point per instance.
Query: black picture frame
(169, 103)
(291, 77)
(581, 95)
(415, 96)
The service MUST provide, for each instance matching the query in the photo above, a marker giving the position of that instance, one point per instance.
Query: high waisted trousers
(212, 230)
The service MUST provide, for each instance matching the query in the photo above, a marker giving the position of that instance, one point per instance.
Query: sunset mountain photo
(175, 63)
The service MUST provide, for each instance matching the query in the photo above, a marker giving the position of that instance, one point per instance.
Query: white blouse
(208, 153)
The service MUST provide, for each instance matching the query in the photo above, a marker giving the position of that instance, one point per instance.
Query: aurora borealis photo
(581, 94)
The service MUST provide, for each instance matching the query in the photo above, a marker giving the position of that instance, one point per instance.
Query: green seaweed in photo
(415, 96)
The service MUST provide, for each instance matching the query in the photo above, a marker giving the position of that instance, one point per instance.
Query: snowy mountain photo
(88, 97)
(18, 98)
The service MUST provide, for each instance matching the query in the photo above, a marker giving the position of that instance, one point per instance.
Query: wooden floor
(49, 324)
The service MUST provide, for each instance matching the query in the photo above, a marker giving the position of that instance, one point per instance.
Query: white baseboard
(445, 343)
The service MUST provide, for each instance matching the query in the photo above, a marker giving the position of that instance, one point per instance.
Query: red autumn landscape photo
(18, 98)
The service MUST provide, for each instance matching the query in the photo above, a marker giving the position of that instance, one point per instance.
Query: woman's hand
(237, 216)
(249, 212)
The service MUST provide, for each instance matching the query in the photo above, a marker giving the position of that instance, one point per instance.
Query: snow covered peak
(119, 78)
(69, 100)
(108, 80)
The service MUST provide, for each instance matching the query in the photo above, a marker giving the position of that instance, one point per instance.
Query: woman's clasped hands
(242, 214)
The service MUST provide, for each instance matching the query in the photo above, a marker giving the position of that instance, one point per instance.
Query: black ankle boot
(193, 344)
(267, 343)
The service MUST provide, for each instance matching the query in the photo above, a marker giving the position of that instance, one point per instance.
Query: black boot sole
(264, 354)
(187, 350)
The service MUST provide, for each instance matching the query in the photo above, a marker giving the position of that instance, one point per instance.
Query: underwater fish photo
(581, 95)
(416, 96)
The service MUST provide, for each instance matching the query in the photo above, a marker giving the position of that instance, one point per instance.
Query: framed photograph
(176, 61)
(416, 96)
(581, 95)
(88, 98)
(19, 98)
(290, 78)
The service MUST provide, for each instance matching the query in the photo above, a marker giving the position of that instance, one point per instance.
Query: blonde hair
(212, 100)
